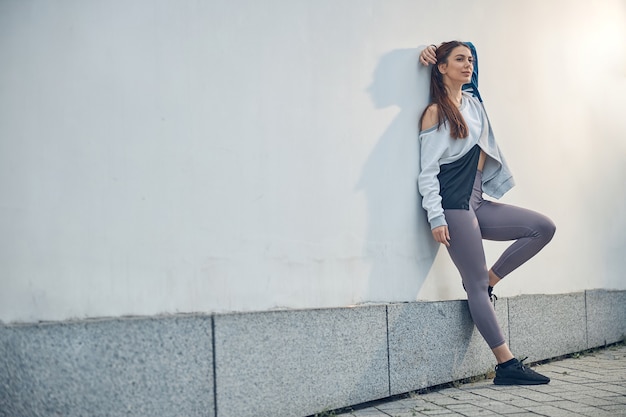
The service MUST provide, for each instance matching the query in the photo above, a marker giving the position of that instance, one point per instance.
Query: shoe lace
(524, 367)
(492, 296)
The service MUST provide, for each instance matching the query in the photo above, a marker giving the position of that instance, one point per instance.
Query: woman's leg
(466, 251)
(530, 230)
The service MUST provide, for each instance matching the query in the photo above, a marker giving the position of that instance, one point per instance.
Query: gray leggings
(493, 221)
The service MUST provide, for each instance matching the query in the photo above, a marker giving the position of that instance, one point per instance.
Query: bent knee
(546, 229)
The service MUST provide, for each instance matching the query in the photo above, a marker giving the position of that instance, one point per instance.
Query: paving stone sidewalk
(592, 385)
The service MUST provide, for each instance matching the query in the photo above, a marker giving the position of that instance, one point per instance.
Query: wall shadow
(399, 242)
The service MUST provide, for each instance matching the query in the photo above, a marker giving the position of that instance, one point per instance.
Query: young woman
(459, 161)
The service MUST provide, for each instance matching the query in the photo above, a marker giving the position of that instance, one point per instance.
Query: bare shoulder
(430, 117)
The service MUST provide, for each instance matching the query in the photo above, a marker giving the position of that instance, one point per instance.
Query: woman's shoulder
(467, 94)
(430, 118)
(472, 104)
(472, 98)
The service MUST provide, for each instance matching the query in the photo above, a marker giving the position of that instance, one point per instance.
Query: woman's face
(459, 66)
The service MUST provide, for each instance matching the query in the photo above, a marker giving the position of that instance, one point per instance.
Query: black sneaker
(518, 374)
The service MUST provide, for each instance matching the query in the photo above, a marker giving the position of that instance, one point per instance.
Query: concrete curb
(279, 363)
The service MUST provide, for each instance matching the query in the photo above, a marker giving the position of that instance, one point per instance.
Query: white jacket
(437, 147)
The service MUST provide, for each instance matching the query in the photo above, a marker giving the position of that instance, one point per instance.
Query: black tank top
(456, 180)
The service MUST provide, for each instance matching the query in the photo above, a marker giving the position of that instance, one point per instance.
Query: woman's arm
(431, 151)
(432, 147)
(428, 55)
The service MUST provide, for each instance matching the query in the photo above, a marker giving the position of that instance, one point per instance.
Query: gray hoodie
(437, 147)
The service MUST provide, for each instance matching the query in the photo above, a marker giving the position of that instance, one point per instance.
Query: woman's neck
(456, 97)
(455, 94)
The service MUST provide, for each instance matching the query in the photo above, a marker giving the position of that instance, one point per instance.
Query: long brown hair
(448, 112)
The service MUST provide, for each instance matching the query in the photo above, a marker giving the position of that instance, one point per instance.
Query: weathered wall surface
(219, 156)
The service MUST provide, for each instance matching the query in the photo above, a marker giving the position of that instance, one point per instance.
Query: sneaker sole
(518, 382)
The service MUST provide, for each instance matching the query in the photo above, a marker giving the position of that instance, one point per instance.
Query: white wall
(162, 157)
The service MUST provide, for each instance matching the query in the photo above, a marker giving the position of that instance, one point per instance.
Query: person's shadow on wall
(399, 242)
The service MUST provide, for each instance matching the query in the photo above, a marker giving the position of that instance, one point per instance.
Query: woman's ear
(443, 67)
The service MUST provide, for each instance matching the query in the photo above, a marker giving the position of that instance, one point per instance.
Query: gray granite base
(296, 363)
(289, 363)
(606, 317)
(127, 367)
(546, 326)
(434, 343)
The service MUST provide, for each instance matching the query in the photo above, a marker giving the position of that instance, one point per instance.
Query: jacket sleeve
(432, 147)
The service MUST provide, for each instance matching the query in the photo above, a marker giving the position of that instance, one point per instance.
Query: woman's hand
(442, 235)
(427, 56)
